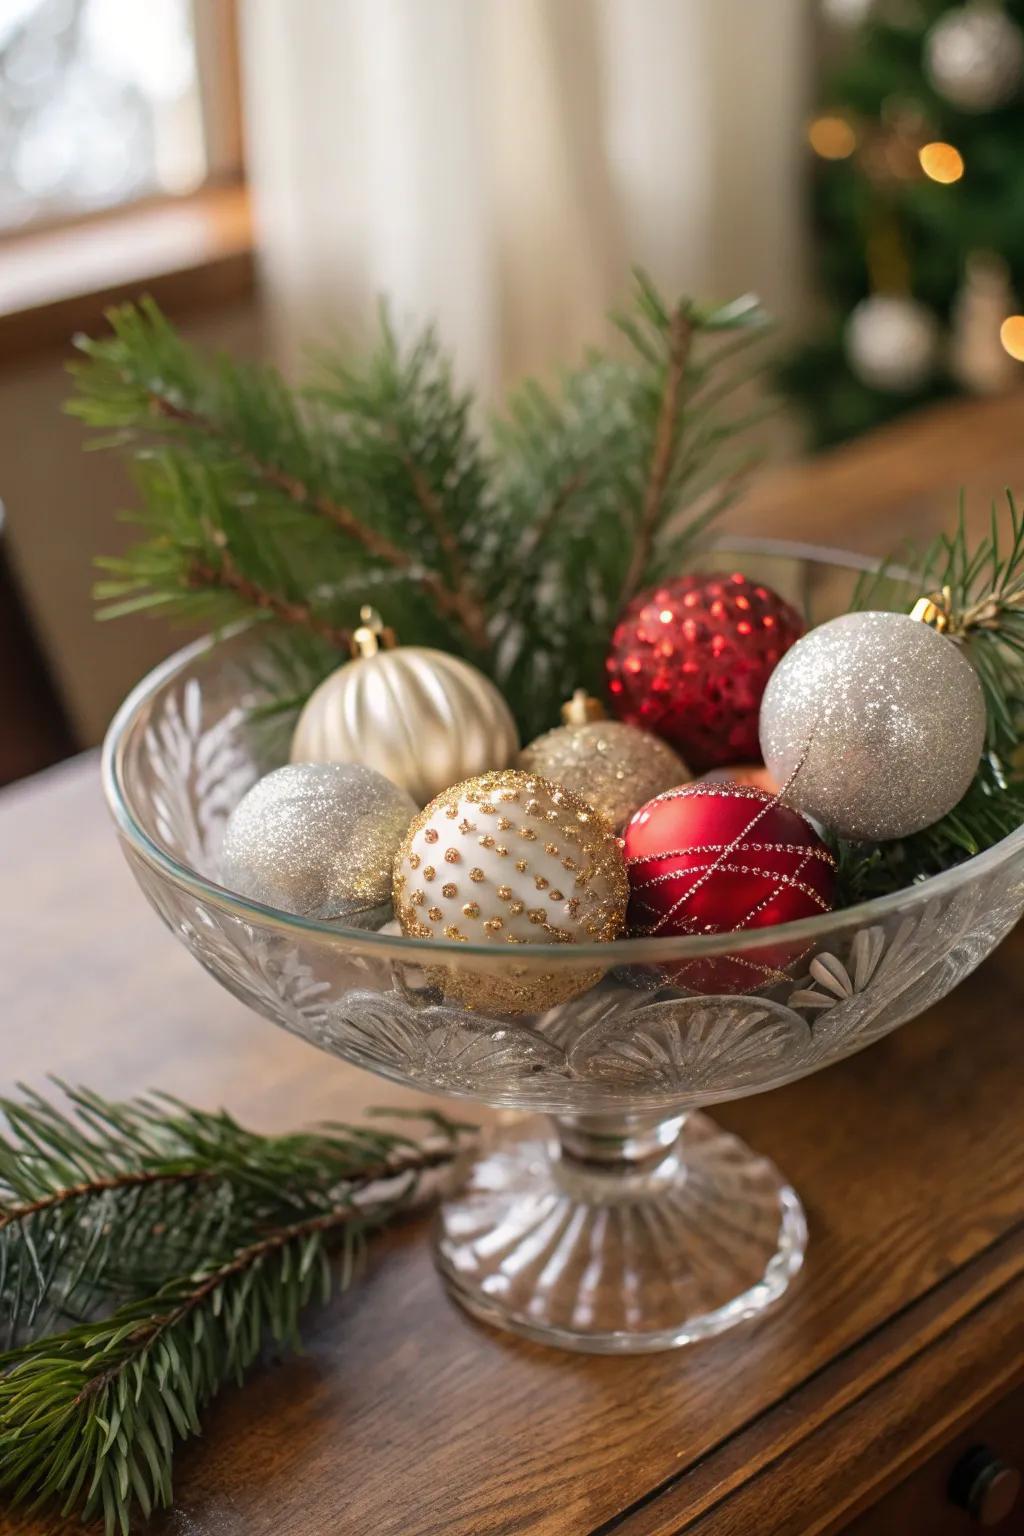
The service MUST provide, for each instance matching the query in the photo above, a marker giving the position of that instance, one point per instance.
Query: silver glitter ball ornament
(974, 57)
(879, 719)
(318, 840)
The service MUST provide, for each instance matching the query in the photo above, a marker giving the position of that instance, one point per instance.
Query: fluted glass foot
(619, 1237)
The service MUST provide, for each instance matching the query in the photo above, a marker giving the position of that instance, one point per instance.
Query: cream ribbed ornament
(424, 719)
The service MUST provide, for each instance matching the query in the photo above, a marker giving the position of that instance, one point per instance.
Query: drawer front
(982, 1469)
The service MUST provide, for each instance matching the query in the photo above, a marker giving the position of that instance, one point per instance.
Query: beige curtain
(498, 164)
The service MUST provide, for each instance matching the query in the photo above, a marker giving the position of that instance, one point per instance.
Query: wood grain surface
(404, 1418)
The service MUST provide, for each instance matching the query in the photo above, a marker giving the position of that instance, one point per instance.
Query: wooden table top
(405, 1418)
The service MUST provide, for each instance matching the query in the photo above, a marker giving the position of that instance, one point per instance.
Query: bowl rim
(627, 951)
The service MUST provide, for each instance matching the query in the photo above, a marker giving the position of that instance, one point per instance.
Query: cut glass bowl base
(625, 1243)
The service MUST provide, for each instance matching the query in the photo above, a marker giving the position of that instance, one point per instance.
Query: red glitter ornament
(690, 660)
(723, 858)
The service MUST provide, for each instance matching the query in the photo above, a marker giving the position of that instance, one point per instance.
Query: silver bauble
(423, 718)
(888, 718)
(974, 57)
(319, 840)
(892, 343)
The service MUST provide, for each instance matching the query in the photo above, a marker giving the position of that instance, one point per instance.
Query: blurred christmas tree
(919, 209)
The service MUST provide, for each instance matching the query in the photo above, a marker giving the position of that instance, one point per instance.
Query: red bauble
(690, 660)
(722, 858)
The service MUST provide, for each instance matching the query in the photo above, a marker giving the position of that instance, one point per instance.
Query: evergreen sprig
(606, 484)
(975, 595)
(372, 484)
(149, 1253)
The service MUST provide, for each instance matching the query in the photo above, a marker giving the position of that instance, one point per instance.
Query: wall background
(61, 507)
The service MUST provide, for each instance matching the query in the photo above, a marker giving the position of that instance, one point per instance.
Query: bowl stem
(619, 1235)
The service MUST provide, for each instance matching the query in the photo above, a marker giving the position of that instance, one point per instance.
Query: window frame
(189, 250)
(218, 65)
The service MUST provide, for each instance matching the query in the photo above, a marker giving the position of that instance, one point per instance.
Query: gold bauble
(421, 717)
(509, 859)
(615, 767)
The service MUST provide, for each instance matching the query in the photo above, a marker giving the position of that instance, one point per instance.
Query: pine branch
(114, 1183)
(452, 602)
(680, 336)
(187, 1244)
(470, 610)
(90, 1418)
(410, 404)
(371, 485)
(226, 576)
(606, 485)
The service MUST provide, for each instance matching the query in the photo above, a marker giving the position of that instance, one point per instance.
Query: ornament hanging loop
(373, 634)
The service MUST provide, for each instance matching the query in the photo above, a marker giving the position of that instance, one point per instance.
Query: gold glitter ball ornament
(879, 723)
(318, 840)
(422, 718)
(614, 766)
(509, 859)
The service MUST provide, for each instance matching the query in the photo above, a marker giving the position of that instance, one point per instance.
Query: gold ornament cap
(373, 635)
(934, 610)
(582, 709)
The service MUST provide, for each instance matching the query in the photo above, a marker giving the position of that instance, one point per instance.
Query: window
(104, 102)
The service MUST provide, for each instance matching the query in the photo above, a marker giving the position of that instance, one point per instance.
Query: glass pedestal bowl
(617, 1217)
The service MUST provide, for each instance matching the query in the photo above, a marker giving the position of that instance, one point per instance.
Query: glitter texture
(614, 767)
(690, 658)
(318, 840)
(891, 717)
(505, 908)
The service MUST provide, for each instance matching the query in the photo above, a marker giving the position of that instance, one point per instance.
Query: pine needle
(149, 1253)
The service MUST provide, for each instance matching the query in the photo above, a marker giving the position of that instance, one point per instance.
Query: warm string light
(941, 162)
(890, 151)
(1011, 334)
(832, 137)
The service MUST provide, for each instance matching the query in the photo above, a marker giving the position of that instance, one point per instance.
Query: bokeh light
(941, 162)
(1011, 334)
(833, 138)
